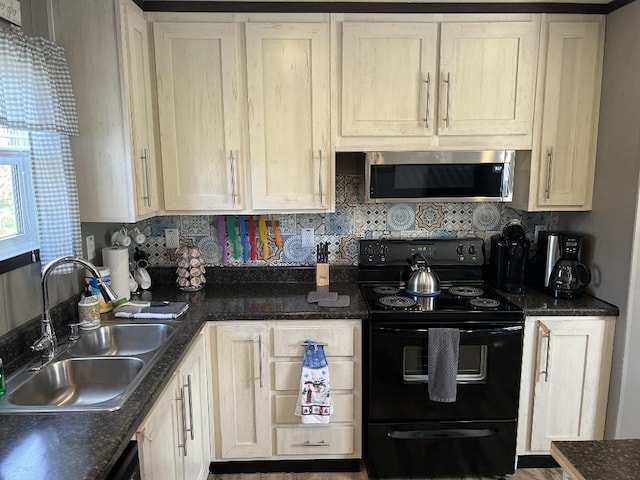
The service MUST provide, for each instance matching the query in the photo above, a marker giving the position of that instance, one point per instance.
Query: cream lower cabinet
(174, 440)
(559, 173)
(415, 83)
(565, 380)
(107, 46)
(257, 368)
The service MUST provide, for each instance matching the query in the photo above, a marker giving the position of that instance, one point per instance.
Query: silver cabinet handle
(260, 359)
(232, 161)
(145, 162)
(446, 116)
(190, 429)
(549, 162)
(183, 445)
(320, 176)
(427, 113)
(321, 443)
(546, 334)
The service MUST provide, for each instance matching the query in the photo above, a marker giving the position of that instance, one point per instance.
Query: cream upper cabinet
(452, 81)
(389, 78)
(559, 174)
(565, 380)
(106, 43)
(288, 78)
(487, 78)
(199, 106)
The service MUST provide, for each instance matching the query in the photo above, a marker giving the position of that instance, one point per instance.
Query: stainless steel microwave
(461, 176)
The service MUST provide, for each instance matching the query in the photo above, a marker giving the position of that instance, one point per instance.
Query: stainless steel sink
(79, 382)
(98, 372)
(122, 339)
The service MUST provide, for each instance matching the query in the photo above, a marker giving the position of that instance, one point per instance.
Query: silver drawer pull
(321, 443)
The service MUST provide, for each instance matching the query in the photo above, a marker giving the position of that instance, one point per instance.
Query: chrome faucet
(47, 343)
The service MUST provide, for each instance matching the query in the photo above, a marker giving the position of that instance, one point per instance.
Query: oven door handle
(444, 433)
(424, 331)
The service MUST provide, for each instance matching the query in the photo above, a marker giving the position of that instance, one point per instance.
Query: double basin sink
(97, 372)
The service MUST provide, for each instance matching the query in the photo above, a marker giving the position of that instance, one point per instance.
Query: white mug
(142, 277)
(121, 238)
(138, 236)
(133, 285)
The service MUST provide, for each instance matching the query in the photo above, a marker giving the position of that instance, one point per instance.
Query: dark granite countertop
(536, 302)
(84, 446)
(599, 459)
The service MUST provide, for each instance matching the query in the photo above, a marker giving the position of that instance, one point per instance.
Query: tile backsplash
(352, 221)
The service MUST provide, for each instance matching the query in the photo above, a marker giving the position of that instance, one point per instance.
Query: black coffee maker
(509, 256)
(566, 277)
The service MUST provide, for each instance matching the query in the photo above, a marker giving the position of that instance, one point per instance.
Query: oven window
(472, 364)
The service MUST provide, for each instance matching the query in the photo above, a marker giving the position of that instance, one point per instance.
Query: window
(18, 230)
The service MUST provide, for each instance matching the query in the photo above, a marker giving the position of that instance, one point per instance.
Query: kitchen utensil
(276, 233)
(322, 252)
(222, 238)
(252, 238)
(243, 239)
(231, 231)
(423, 282)
(262, 228)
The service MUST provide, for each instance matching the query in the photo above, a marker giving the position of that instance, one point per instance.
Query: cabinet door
(570, 114)
(487, 78)
(388, 78)
(243, 391)
(199, 115)
(159, 436)
(288, 78)
(138, 78)
(193, 379)
(573, 365)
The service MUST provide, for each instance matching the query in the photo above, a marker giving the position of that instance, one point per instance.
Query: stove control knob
(382, 252)
(460, 250)
(472, 249)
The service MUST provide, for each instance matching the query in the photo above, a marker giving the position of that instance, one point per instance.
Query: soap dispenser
(89, 310)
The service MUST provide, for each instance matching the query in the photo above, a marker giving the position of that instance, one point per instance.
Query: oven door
(488, 373)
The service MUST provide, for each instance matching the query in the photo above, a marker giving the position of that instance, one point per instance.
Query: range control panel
(446, 251)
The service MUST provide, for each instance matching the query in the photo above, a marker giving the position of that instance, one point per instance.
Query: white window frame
(26, 239)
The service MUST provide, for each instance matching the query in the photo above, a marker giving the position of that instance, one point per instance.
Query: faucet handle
(75, 333)
(42, 343)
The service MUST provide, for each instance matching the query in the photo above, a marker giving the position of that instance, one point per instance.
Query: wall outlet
(171, 237)
(91, 247)
(308, 240)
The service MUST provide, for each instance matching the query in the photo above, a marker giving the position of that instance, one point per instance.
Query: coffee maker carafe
(509, 255)
(568, 276)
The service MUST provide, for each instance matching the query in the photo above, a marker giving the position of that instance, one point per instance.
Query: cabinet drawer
(342, 408)
(287, 375)
(307, 440)
(287, 341)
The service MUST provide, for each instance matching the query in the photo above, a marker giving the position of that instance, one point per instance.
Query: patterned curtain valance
(35, 85)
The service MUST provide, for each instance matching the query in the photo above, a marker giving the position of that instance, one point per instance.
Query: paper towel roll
(117, 259)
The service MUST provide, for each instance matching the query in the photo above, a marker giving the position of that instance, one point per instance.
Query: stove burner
(386, 290)
(465, 291)
(396, 301)
(482, 302)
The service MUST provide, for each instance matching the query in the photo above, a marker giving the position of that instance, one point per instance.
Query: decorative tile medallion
(349, 248)
(341, 222)
(294, 252)
(486, 216)
(401, 216)
(311, 220)
(430, 216)
(194, 225)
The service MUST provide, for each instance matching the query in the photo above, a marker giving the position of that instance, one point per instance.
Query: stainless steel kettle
(422, 282)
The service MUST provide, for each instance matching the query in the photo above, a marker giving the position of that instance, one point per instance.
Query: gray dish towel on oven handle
(444, 348)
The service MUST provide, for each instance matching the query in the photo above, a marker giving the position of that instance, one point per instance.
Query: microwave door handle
(424, 331)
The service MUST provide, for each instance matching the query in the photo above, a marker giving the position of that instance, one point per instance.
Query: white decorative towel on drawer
(314, 399)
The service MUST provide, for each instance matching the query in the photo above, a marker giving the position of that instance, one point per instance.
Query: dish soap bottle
(89, 310)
